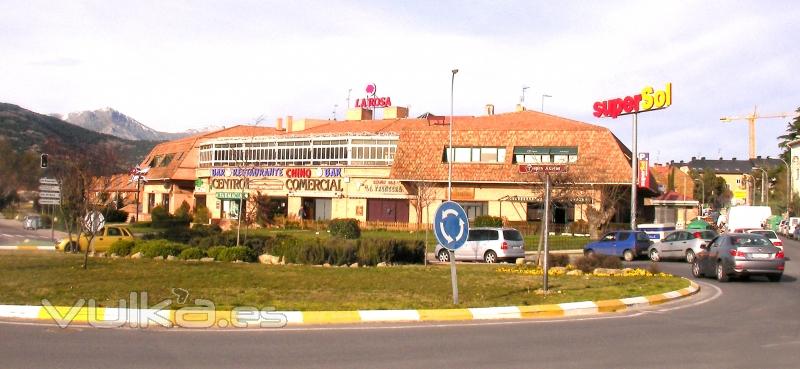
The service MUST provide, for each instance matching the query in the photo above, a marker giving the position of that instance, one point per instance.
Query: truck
(747, 217)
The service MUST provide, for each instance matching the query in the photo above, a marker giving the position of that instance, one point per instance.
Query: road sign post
(546, 169)
(451, 228)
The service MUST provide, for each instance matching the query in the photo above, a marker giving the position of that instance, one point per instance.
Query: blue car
(625, 244)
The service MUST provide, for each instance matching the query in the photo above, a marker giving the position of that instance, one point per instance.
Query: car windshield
(512, 235)
(750, 241)
(767, 234)
(707, 235)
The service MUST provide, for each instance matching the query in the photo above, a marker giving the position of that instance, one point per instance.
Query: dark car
(625, 244)
(739, 255)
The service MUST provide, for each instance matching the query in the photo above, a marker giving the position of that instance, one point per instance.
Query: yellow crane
(751, 122)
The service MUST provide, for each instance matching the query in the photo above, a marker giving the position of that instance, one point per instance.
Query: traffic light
(44, 161)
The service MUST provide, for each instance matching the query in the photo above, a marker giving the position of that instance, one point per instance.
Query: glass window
(476, 154)
(561, 159)
(462, 155)
(113, 232)
(489, 154)
(609, 237)
(512, 235)
(623, 236)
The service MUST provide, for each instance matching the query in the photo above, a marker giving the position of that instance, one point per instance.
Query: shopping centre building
(393, 169)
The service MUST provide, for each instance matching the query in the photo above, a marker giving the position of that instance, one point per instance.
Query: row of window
(357, 150)
(558, 155)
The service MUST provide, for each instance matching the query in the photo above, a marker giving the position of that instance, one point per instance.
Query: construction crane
(751, 122)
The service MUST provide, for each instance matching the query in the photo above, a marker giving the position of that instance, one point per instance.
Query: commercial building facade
(389, 170)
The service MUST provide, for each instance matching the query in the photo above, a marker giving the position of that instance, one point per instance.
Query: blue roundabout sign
(451, 225)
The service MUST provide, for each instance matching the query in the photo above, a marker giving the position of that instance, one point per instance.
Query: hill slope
(25, 130)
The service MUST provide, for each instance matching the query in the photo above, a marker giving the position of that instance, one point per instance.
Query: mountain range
(28, 130)
(115, 123)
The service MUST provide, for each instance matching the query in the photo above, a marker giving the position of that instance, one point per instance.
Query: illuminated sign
(371, 101)
(644, 173)
(649, 99)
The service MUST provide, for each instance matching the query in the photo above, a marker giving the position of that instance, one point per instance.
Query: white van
(793, 222)
(747, 217)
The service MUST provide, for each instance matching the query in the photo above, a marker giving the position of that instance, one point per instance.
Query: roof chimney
(720, 158)
(520, 107)
(758, 157)
(694, 158)
(279, 124)
(288, 123)
(702, 158)
(734, 159)
(489, 109)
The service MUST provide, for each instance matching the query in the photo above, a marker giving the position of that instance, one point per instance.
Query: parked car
(795, 234)
(770, 235)
(739, 255)
(101, 242)
(626, 244)
(488, 244)
(793, 222)
(681, 245)
(32, 221)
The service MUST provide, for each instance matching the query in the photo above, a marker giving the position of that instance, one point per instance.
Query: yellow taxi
(102, 240)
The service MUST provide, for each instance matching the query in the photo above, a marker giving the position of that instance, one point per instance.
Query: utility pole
(751, 123)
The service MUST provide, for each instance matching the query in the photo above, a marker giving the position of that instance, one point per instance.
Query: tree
(608, 198)
(792, 133)
(424, 193)
(18, 171)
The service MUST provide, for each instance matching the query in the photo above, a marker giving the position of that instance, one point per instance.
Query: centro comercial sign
(649, 99)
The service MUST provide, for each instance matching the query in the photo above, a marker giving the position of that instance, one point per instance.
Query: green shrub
(589, 263)
(236, 253)
(122, 247)
(345, 228)
(161, 218)
(488, 221)
(115, 216)
(153, 248)
(557, 260)
(214, 251)
(192, 253)
(201, 214)
(183, 213)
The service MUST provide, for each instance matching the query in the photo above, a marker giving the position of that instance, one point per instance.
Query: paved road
(12, 233)
(754, 324)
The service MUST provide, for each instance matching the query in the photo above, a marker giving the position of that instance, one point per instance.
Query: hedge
(235, 253)
(153, 248)
(488, 221)
(122, 247)
(192, 253)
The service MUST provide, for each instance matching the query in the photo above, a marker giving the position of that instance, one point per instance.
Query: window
(113, 232)
(476, 155)
(623, 236)
(608, 237)
(512, 235)
(536, 154)
(641, 236)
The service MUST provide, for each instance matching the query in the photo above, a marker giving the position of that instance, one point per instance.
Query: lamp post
(521, 98)
(543, 96)
(788, 184)
(763, 184)
(450, 154)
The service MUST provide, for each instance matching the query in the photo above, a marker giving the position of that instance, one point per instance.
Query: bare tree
(424, 193)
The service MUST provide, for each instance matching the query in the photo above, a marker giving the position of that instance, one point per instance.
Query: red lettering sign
(649, 99)
(374, 102)
(298, 173)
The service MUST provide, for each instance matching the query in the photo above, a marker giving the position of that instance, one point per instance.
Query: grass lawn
(28, 277)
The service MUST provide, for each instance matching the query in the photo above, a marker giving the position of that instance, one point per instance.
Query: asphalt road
(753, 324)
(12, 233)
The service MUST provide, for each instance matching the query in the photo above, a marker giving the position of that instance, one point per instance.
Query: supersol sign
(648, 99)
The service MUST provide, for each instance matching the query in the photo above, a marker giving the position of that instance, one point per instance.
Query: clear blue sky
(175, 65)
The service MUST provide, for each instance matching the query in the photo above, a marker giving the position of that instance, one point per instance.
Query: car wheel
(628, 255)
(71, 247)
(721, 275)
(654, 255)
(588, 253)
(444, 255)
(775, 277)
(696, 270)
(690, 256)
(490, 257)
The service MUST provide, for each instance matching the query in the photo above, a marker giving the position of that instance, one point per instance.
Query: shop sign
(371, 101)
(298, 173)
(231, 196)
(199, 186)
(648, 99)
(266, 184)
(230, 183)
(313, 184)
(329, 172)
(383, 186)
(542, 168)
(461, 193)
(247, 172)
(644, 172)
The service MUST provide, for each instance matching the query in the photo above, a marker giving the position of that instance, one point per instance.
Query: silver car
(488, 244)
(680, 245)
(740, 255)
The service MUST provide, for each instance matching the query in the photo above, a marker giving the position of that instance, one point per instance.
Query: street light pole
(450, 153)
(543, 96)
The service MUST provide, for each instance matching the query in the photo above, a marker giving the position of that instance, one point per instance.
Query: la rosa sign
(649, 99)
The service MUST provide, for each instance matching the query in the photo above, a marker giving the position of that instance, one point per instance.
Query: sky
(176, 65)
